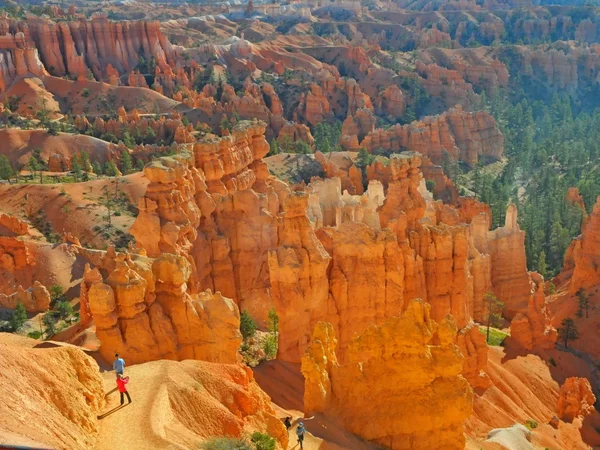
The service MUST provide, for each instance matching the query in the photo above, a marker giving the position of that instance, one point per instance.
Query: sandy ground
(132, 426)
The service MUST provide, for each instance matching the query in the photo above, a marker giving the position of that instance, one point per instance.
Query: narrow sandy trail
(135, 426)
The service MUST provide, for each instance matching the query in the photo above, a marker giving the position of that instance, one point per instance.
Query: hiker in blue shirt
(300, 433)
(118, 365)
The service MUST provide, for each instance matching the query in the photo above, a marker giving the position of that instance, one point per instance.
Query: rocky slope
(52, 389)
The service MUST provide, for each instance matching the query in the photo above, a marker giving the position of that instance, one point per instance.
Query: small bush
(56, 294)
(552, 362)
(247, 325)
(85, 93)
(263, 441)
(34, 334)
(224, 443)
(531, 424)
(117, 213)
(49, 321)
(64, 309)
(19, 317)
(270, 346)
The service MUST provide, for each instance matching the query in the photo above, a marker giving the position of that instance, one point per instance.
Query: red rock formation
(374, 370)
(446, 84)
(583, 256)
(89, 278)
(217, 208)
(98, 45)
(390, 103)
(356, 127)
(460, 135)
(15, 259)
(12, 226)
(35, 299)
(17, 63)
(576, 399)
(532, 328)
(403, 194)
(510, 280)
(292, 132)
(338, 165)
(297, 271)
(143, 311)
(366, 280)
(474, 349)
(443, 187)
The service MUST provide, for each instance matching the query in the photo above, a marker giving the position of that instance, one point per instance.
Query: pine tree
(568, 331)
(583, 304)
(542, 263)
(6, 170)
(247, 325)
(273, 147)
(34, 166)
(110, 169)
(76, 167)
(19, 317)
(97, 168)
(107, 200)
(126, 162)
(84, 159)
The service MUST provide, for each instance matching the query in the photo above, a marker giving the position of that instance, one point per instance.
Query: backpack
(300, 431)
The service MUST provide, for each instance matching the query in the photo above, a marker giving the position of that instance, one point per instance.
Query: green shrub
(552, 362)
(56, 294)
(85, 93)
(247, 325)
(49, 321)
(19, 317)
(224, 443)
(263, 441)
(34, 334)
(270, 346)
(531, 424)
(64, 309)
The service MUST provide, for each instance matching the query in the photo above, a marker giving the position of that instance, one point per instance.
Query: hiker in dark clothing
(287, 422)
(121, 382)
(300, 433)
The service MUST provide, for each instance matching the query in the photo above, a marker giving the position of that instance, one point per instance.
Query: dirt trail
(133, 426)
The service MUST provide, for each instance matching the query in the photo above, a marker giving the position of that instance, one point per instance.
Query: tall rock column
(510, 279)
(585, 252)
(532, 328)
(298, 275)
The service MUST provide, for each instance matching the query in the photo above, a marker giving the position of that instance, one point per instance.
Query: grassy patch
(496, 336)
(531, 424)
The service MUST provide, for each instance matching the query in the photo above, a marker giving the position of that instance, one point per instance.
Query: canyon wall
(457, 134)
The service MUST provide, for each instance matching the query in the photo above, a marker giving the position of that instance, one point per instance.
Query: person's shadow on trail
(110, 392)
(108, 413)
